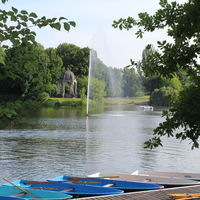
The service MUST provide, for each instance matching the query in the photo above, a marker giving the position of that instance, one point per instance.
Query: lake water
(55, 142)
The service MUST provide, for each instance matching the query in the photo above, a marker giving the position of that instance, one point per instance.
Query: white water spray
(89, 80)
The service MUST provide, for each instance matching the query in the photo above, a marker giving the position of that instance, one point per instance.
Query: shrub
(163, 96)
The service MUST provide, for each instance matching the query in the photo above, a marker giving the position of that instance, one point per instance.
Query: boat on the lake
(147, 108)
(184, 175)
(66, 187)
(117, 184)
(11, 191)
(10, 198)
(165, 181)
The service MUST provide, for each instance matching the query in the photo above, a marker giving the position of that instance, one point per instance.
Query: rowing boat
(10, 191)
(185, 196)
(10, 198)
(69, 188)
(165, 181)
(118, 184)
(192, 176)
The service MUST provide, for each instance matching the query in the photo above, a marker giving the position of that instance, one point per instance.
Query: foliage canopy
(16, 26)
(182, 23)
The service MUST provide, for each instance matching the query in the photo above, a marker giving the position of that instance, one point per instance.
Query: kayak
(10, 198)
(118, 184)
(69, 188)
(165, 181)
(188, 195)
(192, 176)
(10, 191)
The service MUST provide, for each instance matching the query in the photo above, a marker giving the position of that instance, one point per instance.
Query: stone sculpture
(67, 77)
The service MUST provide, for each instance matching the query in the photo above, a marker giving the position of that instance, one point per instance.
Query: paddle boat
(127, 186)
(11, 191)
(10, 198)
(165, 181)
(184, 175)
(69, 188)
(147, 108)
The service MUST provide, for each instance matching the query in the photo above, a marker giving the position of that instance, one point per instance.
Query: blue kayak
(117, 184)
(10, 198)
(69, 188)
(11, 191)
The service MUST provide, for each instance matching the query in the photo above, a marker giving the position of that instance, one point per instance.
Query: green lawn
(127, 100)
(63, 102)
(51, 102)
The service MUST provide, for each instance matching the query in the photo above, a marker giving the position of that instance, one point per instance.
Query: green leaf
(13, 18)
(24, 17)
(5, 20)
(15, 10)
(57, 26)
(66, 26)
(32, 38)
(16, 42)
(18, 26)
(53, 20)
(24, 12)
(4, 1)
(33, 15)
(72, 23)
(43, 18)
(24, 24)
(10, 13)
(62, 18)
(32, 20)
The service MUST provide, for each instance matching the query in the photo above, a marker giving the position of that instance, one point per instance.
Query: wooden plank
(184, 175)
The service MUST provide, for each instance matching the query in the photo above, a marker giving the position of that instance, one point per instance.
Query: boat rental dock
(160, 194)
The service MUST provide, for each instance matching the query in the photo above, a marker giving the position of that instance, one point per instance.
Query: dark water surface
(54, 142)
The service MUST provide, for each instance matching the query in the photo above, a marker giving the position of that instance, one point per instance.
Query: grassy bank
(127, 100)
(73, 102)
(77, 102)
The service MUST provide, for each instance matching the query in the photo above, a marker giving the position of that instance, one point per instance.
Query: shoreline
(78, 102)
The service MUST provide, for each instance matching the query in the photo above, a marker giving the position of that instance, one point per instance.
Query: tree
(16, 25)
(55, 64)
(2, 63)
(163, 96)
(132, 85)
(29, 76)
(28, 70)
(97, 90)
(74, 58)
(182, 22)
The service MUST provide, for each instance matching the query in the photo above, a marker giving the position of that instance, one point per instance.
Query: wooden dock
(160, 194)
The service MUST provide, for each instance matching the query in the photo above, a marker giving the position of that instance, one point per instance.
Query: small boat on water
(192, 176)
(147, 108)
(11, 191)
(127, 186)
(165, 181)
(69, 188)
(10, 198)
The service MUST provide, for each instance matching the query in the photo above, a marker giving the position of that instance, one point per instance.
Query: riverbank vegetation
(29, 73)
(78, 102)
(177, 59)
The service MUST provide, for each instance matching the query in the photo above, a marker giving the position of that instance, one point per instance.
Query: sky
(94, 29)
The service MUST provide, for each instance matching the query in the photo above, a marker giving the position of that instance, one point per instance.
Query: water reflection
(53, 142)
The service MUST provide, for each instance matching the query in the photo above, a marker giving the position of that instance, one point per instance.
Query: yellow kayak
(185, 196)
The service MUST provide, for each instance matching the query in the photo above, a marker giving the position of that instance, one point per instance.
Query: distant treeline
(33, 72)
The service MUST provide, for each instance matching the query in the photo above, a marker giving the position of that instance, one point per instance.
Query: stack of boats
(65, 187)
